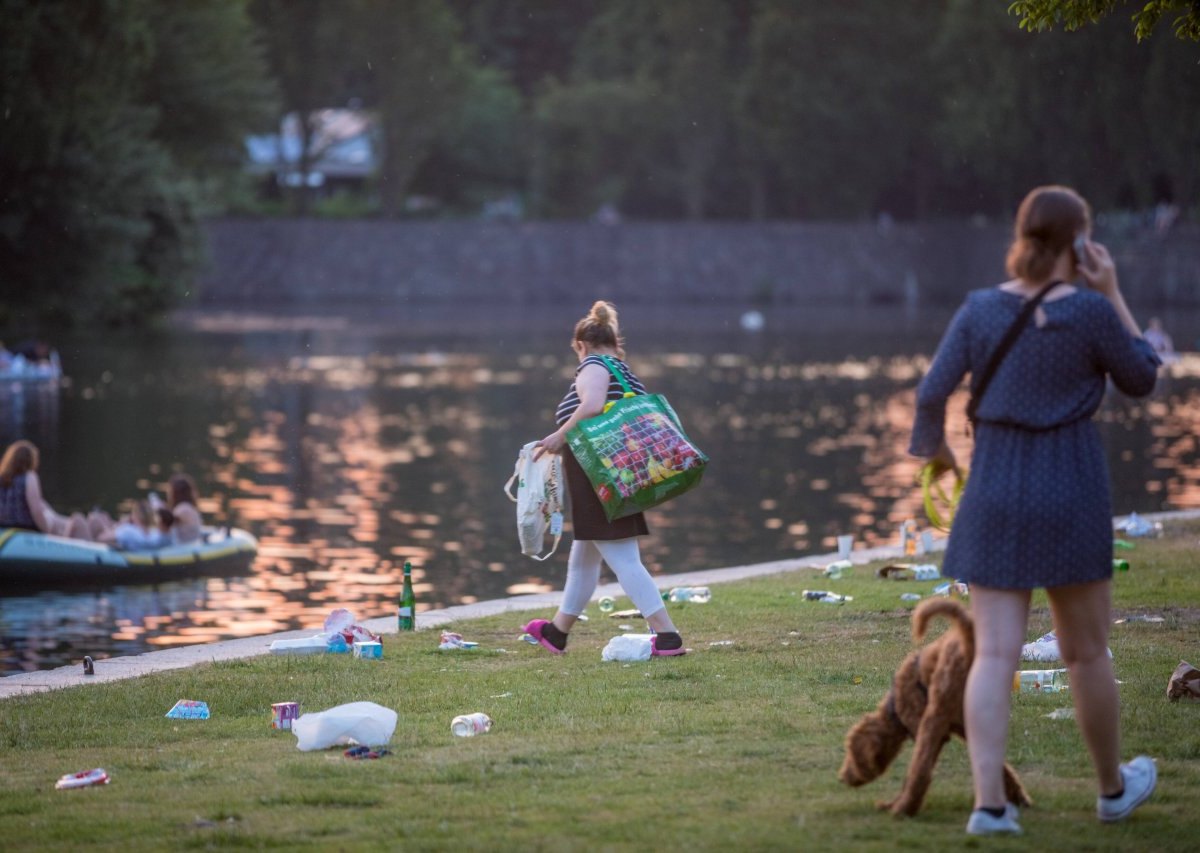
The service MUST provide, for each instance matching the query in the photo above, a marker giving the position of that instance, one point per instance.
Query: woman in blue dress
(1036, 511)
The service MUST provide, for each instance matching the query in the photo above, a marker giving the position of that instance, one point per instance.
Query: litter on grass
(453, 640)
(1184, 683)
(1044, 648)
(83, 779)
(1139, 617)
(627, 647)
(189, 709)
(353, 723)
(340, 634)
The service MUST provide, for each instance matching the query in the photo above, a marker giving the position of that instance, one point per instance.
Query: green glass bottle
(407, 610)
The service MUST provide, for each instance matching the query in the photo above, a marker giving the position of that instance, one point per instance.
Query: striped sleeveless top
(615, 392)
(14, 509)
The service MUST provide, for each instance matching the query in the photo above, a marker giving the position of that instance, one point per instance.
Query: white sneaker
(982, 823)
(1140, 776)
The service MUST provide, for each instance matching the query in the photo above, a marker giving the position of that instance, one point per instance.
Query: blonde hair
(599, 328)
(1048, 221)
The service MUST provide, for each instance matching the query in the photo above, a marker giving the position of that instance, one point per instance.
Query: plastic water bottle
(1040, 681)
(469, 725)
(835, 570)
(1120, 565)
(607, 604)
(694, 594)
(825, 596)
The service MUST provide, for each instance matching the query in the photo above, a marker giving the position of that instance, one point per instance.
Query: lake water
(351, 445)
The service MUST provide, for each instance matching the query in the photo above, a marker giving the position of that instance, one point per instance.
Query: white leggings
(625, 560)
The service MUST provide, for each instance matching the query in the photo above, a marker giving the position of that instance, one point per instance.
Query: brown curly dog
(925, 703)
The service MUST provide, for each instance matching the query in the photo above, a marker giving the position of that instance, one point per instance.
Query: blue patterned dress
(1037, 510)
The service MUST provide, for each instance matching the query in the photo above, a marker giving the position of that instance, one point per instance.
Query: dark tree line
(124, 120)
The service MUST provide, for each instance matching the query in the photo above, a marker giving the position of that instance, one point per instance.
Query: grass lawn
(733, 747)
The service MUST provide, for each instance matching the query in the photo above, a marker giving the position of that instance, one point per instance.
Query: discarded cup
(469, 725)
(96, 776)
(1040, 681)
(844, 545)
(607, 604)
(283, 714)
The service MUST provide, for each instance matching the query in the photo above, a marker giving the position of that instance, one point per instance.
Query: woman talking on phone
(597, 539)
(1036, 511)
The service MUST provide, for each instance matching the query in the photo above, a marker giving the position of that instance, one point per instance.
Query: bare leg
(77, 527)
(99, 523)
(1082, 613)
(1000, 616)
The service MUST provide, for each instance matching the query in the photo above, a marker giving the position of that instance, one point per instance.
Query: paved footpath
(131, 666)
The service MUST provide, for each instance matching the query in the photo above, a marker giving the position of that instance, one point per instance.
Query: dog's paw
(885, 805)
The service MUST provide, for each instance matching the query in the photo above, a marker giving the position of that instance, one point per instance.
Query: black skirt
(588, 521)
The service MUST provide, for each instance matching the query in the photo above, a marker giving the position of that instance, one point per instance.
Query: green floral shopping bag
(635, 454)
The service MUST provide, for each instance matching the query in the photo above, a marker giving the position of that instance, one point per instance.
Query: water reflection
(348, 453)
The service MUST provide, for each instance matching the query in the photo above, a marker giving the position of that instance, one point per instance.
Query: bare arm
(37, 504)
(1100, 272)
(592, 387)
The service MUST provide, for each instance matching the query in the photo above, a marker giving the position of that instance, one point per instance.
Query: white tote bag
(538, 499)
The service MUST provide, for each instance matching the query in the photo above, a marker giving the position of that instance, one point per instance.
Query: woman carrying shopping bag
(597, 342)
(1036, 511)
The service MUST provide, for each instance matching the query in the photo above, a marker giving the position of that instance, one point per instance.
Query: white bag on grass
(538, 499)
(357, 722)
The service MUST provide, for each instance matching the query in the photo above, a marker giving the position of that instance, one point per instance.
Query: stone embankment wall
(273, 262)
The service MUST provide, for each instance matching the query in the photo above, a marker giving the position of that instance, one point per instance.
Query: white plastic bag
(538, 499)
(357, 722)
(628, 647)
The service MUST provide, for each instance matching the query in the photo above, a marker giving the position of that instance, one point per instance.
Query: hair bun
(604, 314)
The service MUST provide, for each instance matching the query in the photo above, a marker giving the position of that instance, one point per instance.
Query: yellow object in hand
(933, 493)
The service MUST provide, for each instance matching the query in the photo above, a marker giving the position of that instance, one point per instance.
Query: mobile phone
(1080, 246)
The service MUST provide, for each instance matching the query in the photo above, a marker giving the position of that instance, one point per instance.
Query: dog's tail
(953, 611)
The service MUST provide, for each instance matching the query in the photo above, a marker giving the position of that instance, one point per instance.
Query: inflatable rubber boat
(29, 558)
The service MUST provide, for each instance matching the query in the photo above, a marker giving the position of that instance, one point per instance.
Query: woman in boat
(181, 499)
(21, 503)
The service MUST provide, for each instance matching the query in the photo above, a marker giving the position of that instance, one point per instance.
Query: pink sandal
(534, 629)
(655, 651)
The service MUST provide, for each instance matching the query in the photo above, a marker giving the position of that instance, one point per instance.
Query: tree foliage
(1073, 14)
(124, 119)
(113, 114)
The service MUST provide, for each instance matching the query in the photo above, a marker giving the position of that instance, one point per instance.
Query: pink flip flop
(655, 651)
(534, 629)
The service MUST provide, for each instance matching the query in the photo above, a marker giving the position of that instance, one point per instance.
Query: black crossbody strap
(1010, 338)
